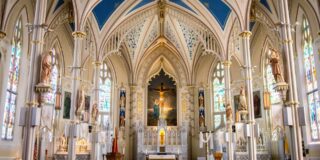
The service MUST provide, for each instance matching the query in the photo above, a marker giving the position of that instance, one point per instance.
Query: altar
(162, 157)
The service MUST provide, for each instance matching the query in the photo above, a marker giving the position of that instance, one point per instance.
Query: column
(76, 69)
(38, 32)
(292, 102)
(245, 38)
(227, 93)
(95, 127)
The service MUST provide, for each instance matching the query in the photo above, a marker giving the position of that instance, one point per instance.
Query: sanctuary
(159, 79)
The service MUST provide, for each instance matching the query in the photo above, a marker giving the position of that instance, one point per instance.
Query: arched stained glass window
(271, 82)
(311, 80)
(12, 85)
(218, 95)
(105, 95)
(54, 76)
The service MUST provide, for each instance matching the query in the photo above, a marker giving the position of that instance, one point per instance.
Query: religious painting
(162, 100)
(67, 105)
(201, 108)
(122, 114)
(257, 104)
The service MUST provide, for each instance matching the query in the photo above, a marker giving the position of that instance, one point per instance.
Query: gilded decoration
(245, 34)
(79, 34)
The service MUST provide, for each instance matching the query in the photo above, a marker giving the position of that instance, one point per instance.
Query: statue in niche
(80, 102)
(229, 112)
(46, 66)
(276, 69)
(242, 100)
(94, 113)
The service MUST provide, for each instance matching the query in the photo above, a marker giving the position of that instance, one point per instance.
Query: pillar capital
(2, 35)
(245, 34)
(97, 63)
(227, 63)
(79, 34)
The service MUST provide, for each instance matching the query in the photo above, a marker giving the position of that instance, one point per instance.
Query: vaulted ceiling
(218, 8)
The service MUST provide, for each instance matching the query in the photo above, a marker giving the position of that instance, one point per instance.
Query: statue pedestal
(113, 156)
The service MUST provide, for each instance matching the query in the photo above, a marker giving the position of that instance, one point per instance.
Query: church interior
(159, 79)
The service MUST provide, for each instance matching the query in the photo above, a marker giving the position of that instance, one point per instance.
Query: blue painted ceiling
(218, 9)
(265, 4)
(59, 4)
(104, 10)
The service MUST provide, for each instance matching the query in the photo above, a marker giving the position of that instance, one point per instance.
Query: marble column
(38, 32)
(245, 38)
(95, 127)
(227, 80)
(292, 102)
(76, 70)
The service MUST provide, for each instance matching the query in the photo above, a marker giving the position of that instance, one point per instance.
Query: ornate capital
(79, 34)
(97, 63)
(32, 103)
(2, 34)
(227, 63)
(287, 41)
(245, 34)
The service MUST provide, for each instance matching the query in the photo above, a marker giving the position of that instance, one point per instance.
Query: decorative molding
(79, 34)
(245, 34)
(227, 63)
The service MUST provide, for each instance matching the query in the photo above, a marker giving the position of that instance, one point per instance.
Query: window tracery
(105, 92)
(311, 80)
(218, 96)
(13, 82)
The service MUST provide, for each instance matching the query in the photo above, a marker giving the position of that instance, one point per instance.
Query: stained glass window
(12, 85)
(54, 76)
(271, 82)
(311, 80)
(218, 95)
(105, 88)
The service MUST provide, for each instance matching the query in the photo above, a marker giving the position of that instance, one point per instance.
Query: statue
(94, 113)
(242, 100)
(80, 102)
(62, 144)
(229, 112)
(276, 69)
(46, 63)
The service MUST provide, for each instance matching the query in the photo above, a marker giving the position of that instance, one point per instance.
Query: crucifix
(161, 91)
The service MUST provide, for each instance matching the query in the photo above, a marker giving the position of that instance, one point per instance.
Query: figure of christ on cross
(161, 98)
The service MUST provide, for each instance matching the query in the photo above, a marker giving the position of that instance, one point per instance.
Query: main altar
(162, 136)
